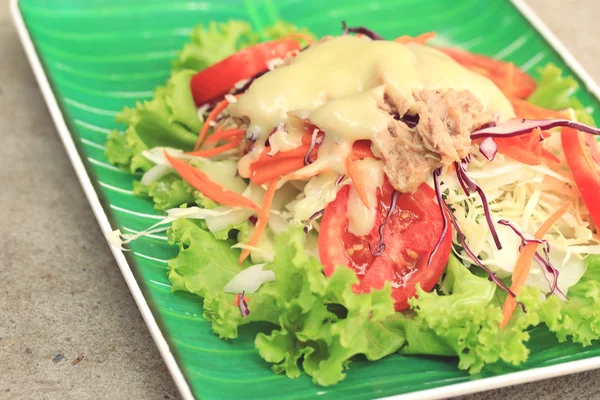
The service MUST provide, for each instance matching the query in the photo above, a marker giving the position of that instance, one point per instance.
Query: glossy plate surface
(93, 57)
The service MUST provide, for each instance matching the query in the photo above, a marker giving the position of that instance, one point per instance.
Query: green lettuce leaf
(167, 192)
(319, 323)
(577, 318)
(463, 320)
(169, 119)
(555, 92)
(212, 43)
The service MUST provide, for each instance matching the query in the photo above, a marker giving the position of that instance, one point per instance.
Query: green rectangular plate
(93, 57)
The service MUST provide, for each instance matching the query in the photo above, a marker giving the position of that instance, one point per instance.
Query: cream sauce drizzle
(338, 84)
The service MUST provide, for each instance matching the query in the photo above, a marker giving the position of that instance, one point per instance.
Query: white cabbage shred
(525, 195)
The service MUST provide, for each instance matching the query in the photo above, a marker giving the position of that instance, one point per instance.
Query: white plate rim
(479, 385)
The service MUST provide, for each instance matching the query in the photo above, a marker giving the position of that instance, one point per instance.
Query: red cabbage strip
(491, 276)
(447, 214)
(242, 305)
(362, 30)
(519, 126)
(380, 244)
(315, 140)
(550, 273)
(488, 147)
(339, 179)
(440, 199)
(461, 173)
(310, 219)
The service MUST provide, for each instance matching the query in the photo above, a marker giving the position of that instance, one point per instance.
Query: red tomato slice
(510, 79)
(581, 152)
(216, 80)
(410, 234)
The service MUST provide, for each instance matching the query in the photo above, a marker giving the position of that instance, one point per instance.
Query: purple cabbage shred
(462, 238)
(362, 30)
(242, 305)
(310, 219)
(380, 247)
(519, 126)
(550, 273)
(467, 182)
(315, 141)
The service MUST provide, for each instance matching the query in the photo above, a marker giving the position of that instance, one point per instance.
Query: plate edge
(480, 385)
(94, 201)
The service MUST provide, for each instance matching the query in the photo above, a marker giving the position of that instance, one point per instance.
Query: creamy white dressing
(338, 85)
(360, 218)
(282, 140)
(345, 66)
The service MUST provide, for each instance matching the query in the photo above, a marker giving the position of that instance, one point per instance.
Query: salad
(362, 196)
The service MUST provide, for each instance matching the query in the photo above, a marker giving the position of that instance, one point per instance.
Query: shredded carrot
(263, 217)
(237, 299)
(354, 174)
(523, 265)
(235, 142)
(224, 135)
(292, 162)
(297, 35)
(201, 182)
(222, 105)
(524, 109)
(421, 39)
(263, 173)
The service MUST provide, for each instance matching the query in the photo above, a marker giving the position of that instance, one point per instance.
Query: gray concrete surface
(62, 297)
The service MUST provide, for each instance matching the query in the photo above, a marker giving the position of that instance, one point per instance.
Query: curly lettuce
(168, 120)
(579, 317)
(463, 320)
(320, 323)
(212, 43)
(555, 92)
(167, 192)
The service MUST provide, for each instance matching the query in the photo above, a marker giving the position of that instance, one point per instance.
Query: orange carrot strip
(266, 172)
(201, 182)
(523, 265)
(222, 105)
(263, 217)
(237, 299)
(354, 174)
(224, 135)
(518, 152)
(217, 150)
(524, 109)
(421, 39)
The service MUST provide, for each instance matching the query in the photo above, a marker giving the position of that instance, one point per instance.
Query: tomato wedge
(411, 233)
(581, 152)
(510, 79)
(216, 80)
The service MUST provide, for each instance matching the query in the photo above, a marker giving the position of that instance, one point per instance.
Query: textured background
(65, 296)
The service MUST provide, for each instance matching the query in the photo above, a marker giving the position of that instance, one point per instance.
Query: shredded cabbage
(526, 196)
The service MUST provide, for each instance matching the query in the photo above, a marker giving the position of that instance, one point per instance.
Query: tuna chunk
(441, 136)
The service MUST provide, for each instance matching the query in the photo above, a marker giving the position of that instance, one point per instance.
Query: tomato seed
(412, 254)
